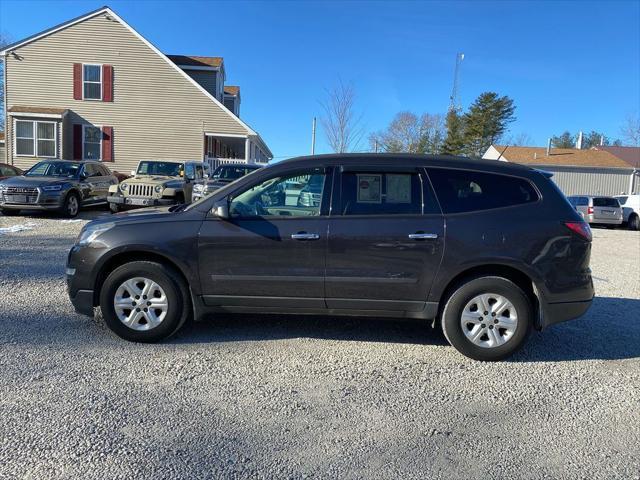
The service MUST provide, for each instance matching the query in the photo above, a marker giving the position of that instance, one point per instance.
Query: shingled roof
(561, 157)
(195, 61)
(231, 89)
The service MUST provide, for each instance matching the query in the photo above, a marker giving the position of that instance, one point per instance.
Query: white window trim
(99, 127)
(89, 81)
(35, 139)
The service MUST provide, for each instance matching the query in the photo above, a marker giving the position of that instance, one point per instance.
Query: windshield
(231, 172)
(54, 169)
(167, 169)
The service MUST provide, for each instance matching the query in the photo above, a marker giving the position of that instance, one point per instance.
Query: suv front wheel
(487, 318)
(144, 301)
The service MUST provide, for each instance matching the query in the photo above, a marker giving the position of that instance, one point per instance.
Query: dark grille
(21, 191)
(19, 195)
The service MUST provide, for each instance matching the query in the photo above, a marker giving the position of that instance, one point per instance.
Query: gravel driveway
(280, 397)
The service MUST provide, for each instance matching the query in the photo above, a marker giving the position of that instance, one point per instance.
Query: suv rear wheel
(487, 318)
(144, 301)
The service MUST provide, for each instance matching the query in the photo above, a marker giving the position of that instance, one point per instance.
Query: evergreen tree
(454, 142)
(565, 140)
(486, 122)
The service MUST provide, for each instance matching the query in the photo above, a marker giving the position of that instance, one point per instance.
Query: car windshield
(229, 172)
(167, 169)
(54, 169)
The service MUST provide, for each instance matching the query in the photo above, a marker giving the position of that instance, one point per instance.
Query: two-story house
(94, 88)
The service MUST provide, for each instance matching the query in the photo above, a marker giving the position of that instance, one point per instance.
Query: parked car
(157, 182)
(222, 175)
(488, 250)
(630, 210)
(598, 210)
(60, 185)
(7, 171)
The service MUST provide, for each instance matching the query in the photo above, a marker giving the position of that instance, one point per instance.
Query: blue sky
(568, 65)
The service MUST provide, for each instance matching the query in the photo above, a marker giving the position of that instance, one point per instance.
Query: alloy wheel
(140, 304)
(489, 320)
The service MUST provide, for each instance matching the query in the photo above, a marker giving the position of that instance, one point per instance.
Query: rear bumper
(604, 221)
(561, 312)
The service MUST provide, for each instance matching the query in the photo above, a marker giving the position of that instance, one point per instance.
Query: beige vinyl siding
(205, 78)
(2, 152)
(156, 112)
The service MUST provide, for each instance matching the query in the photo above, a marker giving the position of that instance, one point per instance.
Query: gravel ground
(280, 397)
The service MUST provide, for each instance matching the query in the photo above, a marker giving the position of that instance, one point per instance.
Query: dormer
(232, 99)
(207, 71)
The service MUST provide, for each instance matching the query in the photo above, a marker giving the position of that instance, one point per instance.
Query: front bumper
(139, 201)
(44, 201)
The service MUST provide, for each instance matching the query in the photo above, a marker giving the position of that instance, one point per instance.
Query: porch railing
(215, 162)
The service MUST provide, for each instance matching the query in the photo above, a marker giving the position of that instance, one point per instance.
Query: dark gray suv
(488, 250)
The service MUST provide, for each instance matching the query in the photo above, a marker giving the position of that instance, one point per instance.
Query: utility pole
(376, 146)
(313, 136)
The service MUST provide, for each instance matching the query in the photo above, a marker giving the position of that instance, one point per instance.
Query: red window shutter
(77, 142)
(77, 81)
(107, 144)
(107, 83)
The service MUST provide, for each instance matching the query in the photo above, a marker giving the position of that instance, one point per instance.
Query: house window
(91, 142)
(36, 139)
(92, 82)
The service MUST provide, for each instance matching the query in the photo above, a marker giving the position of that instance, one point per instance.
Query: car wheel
(71, 205)
(634, 222)
(114, 207)
(487, 318)
(144, 301)
(10, 213)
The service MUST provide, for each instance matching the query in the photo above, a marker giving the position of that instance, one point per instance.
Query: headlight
(123, 186)
(91, 232)
(159, 188)
(52, 188)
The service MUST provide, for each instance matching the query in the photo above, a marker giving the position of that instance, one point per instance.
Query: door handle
(305, 236)
(423, 236)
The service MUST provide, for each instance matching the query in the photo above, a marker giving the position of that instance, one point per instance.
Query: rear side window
(605, 202)
(381, 193)
(623, 200)
(468, 191)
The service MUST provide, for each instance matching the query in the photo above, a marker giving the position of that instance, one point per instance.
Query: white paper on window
(398, 188)
(369, 188)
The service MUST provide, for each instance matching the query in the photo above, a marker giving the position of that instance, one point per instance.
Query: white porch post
(247, 150)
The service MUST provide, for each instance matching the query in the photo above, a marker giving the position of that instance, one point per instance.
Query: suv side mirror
(221, 209)
(133, 173)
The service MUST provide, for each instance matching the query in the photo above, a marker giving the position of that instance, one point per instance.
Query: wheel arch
(517, 276)
(127, 256)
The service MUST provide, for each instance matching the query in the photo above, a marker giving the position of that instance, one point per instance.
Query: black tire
(468, 290)
(179, 308)
(114, 207)
(634, 222)
(68, 209)
(10, 212)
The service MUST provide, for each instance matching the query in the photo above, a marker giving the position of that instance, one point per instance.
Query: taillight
(581, 228)
(590, 210)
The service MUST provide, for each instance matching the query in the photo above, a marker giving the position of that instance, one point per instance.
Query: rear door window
(381, 193)
(467, 191)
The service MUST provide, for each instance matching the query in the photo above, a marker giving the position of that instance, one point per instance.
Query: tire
(114, 207)
(492, 342)
(170, 317)
(9, 212)
(70, 206)
(634, 222)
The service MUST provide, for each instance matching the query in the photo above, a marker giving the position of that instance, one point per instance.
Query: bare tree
(631, 130)
(340, 122)
(411, 134)
(520, 140)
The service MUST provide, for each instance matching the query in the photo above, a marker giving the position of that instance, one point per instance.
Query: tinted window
(170, 169)
(379, 193)
(293, 195)
(467, 191)
(91, 170)
(605, 202)
(104, 170)
(6, 171)
(622, 200)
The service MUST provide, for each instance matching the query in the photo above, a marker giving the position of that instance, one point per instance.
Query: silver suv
(598, 210)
